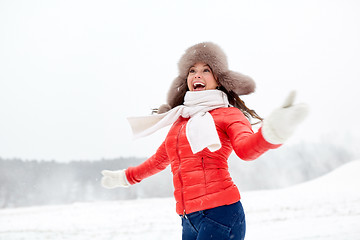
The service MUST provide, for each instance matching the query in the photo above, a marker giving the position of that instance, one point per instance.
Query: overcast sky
(72, 71)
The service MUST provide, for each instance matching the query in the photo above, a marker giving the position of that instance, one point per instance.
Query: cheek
(212, 83)
(188, 82)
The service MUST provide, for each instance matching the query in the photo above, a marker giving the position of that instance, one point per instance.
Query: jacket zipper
(179, 171)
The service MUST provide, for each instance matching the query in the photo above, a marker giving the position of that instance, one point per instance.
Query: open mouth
(199, 86)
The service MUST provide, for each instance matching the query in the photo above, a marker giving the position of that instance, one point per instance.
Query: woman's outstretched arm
(156, 163)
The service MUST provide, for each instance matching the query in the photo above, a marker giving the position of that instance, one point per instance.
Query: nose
(197, 75)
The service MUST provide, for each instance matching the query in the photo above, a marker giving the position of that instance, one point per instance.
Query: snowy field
(325, 208)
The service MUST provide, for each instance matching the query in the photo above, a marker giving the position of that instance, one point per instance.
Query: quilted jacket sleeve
(246, 144)
(156, 163)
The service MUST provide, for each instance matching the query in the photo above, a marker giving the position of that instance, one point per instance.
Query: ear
(217, 81)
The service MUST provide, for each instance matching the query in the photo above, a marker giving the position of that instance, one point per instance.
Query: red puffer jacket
(202, 180)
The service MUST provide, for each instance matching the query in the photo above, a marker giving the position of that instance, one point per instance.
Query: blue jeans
(220, 223)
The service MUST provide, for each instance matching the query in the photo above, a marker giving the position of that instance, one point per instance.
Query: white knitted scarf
(200, 129)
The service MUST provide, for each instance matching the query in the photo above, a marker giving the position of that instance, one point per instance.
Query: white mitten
(113, 179)
(281, 123)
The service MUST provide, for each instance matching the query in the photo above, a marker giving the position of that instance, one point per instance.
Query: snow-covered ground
(325, 208)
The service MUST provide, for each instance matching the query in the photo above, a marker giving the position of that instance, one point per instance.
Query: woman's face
(201, 78)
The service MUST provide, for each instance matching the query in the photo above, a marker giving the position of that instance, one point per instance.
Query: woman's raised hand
(114, 179)
(282, 122)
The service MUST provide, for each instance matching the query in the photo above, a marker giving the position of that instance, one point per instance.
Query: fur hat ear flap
(163, 108)
(237, 82)
(177, 92)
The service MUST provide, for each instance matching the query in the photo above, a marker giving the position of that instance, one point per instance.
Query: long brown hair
(236, 101)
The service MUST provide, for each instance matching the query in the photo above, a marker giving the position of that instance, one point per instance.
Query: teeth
(196, 85)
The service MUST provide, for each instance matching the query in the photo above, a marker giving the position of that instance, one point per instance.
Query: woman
(209, 121)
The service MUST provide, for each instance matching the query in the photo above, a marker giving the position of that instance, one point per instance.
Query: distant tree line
(26, 183)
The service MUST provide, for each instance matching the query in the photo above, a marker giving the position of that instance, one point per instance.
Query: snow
(324, 208)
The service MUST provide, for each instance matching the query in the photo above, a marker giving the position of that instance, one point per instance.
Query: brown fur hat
(213, 55)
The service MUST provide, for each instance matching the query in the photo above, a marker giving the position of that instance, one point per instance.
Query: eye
(191, 71)
(207, 70)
